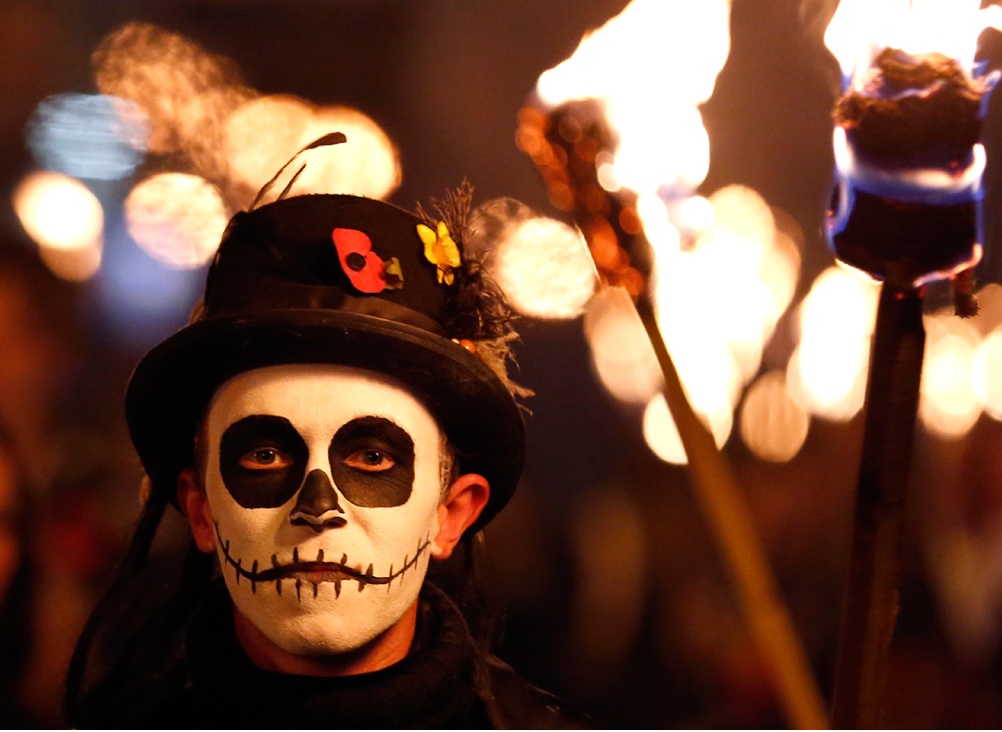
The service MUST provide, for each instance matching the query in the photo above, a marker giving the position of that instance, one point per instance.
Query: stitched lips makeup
(323, 483)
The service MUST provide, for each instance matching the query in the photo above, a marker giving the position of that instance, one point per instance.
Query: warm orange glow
(719, 303)
(66, 221)
(773, 426)
(695, 214)
(367, 165)
(262, 134)
(987, 374)
(544, 268)
(176, 218)
(951, 27)
(662, 435)
(266, 132)
(989, 309)
(827, 372)
(185, 92)
(58, 212)
(662, 139)
(74, 265)
(621, 352)
(662, 234)
(949, 405)
(779, 269)
(743, 214)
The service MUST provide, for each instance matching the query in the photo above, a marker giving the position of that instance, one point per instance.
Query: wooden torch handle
(730, 521)
(871, 604)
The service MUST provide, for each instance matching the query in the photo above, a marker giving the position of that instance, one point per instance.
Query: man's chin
(325, 624)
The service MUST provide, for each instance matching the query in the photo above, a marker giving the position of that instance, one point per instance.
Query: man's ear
(195, 506)
(460, 509)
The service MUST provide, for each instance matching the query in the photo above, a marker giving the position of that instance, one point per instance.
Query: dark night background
(445, 79)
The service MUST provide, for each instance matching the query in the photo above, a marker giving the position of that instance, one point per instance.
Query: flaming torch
(618, 156)
(906, 211)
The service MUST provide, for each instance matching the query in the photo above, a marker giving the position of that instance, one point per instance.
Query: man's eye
(265, 458)
(371, 461)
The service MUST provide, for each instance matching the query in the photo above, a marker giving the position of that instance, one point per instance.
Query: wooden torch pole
(871, 604)
(730, 522)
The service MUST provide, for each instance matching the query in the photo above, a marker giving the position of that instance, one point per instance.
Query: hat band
(248, 300)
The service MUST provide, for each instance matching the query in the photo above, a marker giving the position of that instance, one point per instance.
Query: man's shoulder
(513, 703)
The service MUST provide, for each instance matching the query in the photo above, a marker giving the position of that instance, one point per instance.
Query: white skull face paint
(323, 483)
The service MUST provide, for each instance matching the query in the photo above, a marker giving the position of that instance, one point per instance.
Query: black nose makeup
(316, 499)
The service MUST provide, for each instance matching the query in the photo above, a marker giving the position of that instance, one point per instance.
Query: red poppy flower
(362, 265)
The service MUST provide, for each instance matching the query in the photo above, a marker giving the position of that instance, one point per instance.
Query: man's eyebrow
(264, 417)
(374, 426)
(372, 421)
(258, 427)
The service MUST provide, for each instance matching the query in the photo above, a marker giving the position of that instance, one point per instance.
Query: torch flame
(861, 28)
(630, 65)
(646, 71)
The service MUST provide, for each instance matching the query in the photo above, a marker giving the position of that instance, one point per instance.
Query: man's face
(323, 483)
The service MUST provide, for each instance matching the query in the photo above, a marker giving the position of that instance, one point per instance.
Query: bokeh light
(185, 93)
(544, 268)
(949, 404)
(74, 265)
(772, 425)
(718, 304)
(367, 164)
(262, 134)
(66, 221)
(662, 436)
(694, 214)
(827, 373)
(176, 218)
(621, 352)
(87, 136)
(987, 374)
(664, 237)
(742, 212)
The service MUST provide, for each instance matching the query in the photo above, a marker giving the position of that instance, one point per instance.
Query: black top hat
(343, 280)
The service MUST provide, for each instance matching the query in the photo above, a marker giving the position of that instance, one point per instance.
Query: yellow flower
(440, 250)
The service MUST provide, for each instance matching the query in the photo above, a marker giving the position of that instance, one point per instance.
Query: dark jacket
(443, 683)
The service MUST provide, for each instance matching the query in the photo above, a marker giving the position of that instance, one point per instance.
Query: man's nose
(317, 505)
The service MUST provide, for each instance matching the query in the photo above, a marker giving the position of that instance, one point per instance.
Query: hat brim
(173, 385)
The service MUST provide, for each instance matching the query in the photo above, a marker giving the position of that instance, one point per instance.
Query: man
(336, 417)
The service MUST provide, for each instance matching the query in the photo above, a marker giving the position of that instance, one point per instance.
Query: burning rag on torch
(905, 210)
(908, 172)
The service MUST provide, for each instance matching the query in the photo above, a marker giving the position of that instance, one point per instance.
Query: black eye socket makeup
(372, 462)
(262, 460)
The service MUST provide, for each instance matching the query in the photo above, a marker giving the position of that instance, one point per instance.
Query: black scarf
(433, 687)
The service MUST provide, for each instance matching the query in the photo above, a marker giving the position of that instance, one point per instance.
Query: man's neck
(384, 650)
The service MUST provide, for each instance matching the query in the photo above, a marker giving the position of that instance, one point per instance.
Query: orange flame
(861, 28)
(627, 65)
